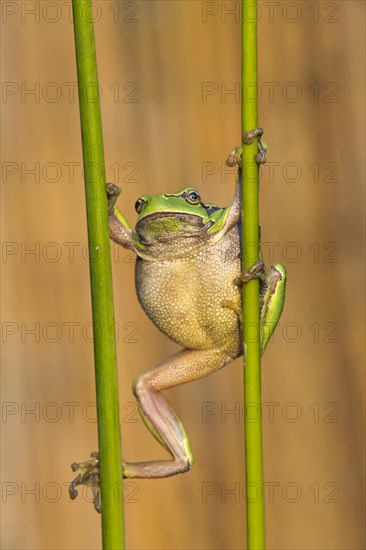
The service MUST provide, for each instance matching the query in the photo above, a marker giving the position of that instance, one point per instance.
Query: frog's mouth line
(162, 214)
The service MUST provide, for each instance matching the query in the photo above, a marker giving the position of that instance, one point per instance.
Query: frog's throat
(165, 227)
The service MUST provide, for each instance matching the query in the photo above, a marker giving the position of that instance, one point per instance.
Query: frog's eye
(139, 204)
(192, 197)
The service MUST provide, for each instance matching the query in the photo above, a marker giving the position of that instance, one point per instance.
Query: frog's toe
(261, 156)
(113, 192)
(234, 157)
(88, 476)
(236, 306)
(248, 138)
(112, 189)
(257, 271)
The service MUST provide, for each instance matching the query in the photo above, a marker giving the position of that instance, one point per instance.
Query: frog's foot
(234, 157)
(236, 306)
(249, 137)
(113, 192)
(257, 271)
(88, 476)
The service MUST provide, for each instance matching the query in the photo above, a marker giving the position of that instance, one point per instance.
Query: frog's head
(177, 220)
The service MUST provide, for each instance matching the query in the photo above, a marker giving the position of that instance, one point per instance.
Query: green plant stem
(251, 310)
(110, 467)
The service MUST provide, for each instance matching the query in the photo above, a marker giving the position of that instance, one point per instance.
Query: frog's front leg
(159, 416)
(234, 159)
(120, 230)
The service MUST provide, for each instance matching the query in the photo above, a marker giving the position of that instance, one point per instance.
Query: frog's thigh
(185, 366)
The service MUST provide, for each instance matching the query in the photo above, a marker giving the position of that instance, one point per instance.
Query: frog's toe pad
(255, 272)
(234, 157)
(88, 476)
(248, 138)
(112, 189)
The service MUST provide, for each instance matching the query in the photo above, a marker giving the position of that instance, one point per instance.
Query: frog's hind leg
(158, 414)
(272, 284)
(271, 296)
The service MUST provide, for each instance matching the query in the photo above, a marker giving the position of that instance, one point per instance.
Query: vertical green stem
(101, 280)
(250, 216)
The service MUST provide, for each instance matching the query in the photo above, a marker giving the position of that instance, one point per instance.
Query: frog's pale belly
(184, 297)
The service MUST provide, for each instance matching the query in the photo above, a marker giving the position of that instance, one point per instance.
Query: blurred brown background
(169, 74)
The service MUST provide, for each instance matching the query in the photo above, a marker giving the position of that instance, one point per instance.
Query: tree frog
(188, 278)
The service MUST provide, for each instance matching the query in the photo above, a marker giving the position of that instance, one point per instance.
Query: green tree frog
(188, 278)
